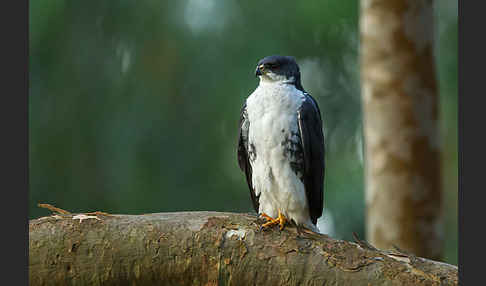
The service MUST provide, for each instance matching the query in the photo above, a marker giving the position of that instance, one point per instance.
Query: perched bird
(281, 146)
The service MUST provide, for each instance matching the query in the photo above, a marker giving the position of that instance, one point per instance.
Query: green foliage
(134, 105)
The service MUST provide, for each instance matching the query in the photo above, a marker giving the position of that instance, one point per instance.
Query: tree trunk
(400, 105)
(209, 248)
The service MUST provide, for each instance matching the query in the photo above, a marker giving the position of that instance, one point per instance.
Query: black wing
(243, 154)
(310, 127)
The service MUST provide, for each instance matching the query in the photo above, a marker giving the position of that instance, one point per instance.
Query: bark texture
(209, 248)
(400, 106)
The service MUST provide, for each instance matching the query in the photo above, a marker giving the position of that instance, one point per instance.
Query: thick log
(210, 248)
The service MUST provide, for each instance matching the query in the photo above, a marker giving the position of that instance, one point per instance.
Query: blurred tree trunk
(400, 106)
(209, 248)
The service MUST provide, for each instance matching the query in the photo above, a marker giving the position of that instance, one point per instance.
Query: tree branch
(209, 248)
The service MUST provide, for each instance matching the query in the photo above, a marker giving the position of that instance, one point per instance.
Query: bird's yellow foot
(281, 220)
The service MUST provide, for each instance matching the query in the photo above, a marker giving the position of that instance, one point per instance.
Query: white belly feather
(272, 112)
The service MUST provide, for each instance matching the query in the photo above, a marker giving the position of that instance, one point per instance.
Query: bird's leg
(281, 220)
(267, 217)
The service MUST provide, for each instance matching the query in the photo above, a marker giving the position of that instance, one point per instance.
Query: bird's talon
(267, 217)
(280, 220)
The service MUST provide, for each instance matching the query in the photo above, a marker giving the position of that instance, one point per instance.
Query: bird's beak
(259, 70)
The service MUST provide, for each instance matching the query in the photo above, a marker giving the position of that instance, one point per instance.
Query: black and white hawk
(281, 146)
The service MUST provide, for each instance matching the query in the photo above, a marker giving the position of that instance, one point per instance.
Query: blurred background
(134, 105)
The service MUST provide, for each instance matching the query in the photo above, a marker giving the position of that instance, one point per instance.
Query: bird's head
(278, 69)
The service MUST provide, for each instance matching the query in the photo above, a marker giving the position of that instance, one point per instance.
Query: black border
(461, 130)
(14, 119)
(470, 93)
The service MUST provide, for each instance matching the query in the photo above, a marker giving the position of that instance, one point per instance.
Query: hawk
(281, 146)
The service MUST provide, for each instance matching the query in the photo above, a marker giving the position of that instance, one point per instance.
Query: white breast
(272, 112)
